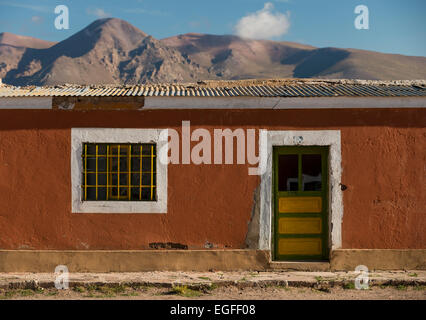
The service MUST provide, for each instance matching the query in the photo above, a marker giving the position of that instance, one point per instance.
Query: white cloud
(98, 12)
(266, 23)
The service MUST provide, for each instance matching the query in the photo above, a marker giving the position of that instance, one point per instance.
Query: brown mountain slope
(107, 51)
(24, 41)
(230, 57)
(12, 48)
(372, 65)
(9, 58)
(113, 51)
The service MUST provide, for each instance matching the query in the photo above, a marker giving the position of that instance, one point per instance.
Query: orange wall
(383, 159)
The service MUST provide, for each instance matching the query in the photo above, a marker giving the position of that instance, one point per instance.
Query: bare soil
(226, 293)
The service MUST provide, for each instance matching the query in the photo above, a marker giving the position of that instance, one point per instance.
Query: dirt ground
(166, 285)
(227, 293)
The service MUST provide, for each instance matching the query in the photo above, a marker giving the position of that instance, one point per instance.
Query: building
(235, 175)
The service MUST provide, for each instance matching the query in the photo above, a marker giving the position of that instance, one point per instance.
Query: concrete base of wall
(299, 266)
(201, 260)
(132, 260)
(379, 259)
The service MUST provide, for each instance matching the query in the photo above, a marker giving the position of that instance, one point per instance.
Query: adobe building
(236, 175)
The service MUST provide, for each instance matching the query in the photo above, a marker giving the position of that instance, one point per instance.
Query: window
(288, 173)
(300, 172)
(311, 172)
(118, 170)
(124, 172)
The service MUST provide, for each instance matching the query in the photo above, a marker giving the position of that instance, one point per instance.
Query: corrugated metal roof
(243, 88)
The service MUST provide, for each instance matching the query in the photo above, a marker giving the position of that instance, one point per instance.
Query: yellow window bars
(124, 172)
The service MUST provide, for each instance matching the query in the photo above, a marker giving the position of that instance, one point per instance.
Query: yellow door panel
(300, 204)
(299, 246)
(299, 225)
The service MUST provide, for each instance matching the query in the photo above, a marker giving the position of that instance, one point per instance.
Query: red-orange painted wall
(383, 159)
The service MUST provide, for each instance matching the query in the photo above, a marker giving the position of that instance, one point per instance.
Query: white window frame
(110, 135)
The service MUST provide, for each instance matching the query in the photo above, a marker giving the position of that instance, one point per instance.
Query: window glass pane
(102, 160)
(102, 193)
(123, 179)
(311, 172)
(288, 172)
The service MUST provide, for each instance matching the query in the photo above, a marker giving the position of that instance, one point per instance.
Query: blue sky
(395, 26)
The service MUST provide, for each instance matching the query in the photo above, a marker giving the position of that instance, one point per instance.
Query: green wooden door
(301, 203)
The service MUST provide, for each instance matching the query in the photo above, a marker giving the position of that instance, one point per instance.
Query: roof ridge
(249, 87)
(239, 83)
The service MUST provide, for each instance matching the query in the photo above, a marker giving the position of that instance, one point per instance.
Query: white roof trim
(282, 103)
(153, 103)
(26, 103)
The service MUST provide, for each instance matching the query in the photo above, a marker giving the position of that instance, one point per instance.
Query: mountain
(231, 57)
(107, 51)
(14, 40)
(13, 46)
(113, 51)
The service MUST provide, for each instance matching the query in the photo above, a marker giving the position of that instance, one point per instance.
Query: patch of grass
(119, 289)
(349, 286)
(78, 289)
(184, 291)
(243, 279)
(96, 291)
(419, 287)
(4, 294)
(105, 292)
(212, 287)
(413, 274)
(52, 293)
(318, 278)
(7, 294)
(207, 288)
(92, 287)
(39, 290)
(204, 278)
(26, 292)
(401, 287)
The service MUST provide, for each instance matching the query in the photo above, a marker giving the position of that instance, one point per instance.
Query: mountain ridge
(112, 51)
